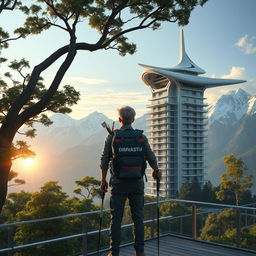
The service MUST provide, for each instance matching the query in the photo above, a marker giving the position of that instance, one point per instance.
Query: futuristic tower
(178, 122)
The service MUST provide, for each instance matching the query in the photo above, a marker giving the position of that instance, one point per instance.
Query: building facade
(177, 122)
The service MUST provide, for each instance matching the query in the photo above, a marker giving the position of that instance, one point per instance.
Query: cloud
(250, 86)
(247, 45)
(236, 73)
(108, 101)
(119, 98)
(84, 80)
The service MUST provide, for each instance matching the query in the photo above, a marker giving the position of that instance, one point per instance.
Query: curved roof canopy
(186, 71)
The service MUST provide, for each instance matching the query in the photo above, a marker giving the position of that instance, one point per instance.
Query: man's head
(126, 115)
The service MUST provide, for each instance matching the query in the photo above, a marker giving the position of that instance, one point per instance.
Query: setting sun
(28, 161)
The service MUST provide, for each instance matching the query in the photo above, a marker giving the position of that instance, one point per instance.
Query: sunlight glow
(28, 162)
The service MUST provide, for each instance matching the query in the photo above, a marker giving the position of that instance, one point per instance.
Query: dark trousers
(134, 191)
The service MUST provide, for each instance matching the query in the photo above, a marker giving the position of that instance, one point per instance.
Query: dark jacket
(107, 151)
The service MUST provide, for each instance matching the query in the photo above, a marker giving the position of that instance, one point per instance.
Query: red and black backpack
(129, 160)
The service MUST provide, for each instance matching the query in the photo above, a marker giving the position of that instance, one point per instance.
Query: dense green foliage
(221, 228)
(51, 201)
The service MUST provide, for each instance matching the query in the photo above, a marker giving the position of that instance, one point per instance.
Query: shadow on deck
(177, 246)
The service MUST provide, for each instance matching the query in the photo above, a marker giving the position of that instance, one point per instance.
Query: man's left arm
(151, 158)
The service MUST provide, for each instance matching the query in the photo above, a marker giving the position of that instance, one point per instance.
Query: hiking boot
(140, 254)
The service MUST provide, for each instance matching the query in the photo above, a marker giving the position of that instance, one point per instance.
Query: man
(128, 150)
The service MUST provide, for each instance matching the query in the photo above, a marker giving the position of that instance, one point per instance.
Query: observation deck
(179, 234)
(179, 246)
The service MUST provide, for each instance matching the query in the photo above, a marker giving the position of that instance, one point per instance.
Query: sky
(220, 38)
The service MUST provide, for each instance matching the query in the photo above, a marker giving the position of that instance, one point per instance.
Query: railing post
(10, 240)
(194, 236)
(238, 228)
(84, 238)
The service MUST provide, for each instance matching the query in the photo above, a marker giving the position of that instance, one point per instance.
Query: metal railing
(198, 208)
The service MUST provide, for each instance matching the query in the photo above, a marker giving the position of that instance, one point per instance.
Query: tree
(207, 194)
(221, 227)
(17, 182)
(90, 185)
(4, 36)
(111, 19)
(60, 102)
(19, 32)
(176, 209)
(49, 202)
(234, 179)
(15, 203)
(218, 226)
(190, 191)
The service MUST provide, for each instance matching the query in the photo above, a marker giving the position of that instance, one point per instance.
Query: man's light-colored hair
(127, 114)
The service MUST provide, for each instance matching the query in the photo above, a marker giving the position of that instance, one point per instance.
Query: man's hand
(104, 186)
(156, 174)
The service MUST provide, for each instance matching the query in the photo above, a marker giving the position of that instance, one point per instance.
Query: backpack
(129, 160)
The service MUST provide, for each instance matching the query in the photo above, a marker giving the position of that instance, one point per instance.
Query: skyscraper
(177, 122)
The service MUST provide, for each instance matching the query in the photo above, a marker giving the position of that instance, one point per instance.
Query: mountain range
(70, 149)
(232, 130)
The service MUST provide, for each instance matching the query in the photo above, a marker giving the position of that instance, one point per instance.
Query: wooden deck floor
(176, 246)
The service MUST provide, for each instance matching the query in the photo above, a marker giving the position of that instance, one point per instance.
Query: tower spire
(185, 63)
(182, 46)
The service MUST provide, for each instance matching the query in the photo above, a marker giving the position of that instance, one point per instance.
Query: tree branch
(56, 25)
(10, 39)
(133, 18)
(149, 15)
(140, 26)
(65, 20)
(24, 97)
(127, 31)
(5, 6)
(112, 16)
(40, 105)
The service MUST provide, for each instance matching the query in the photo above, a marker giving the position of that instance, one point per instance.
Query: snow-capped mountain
(62, 120)
(83, 127)
(251, 106)
(231, 107)
(67, 132)
(232, 126)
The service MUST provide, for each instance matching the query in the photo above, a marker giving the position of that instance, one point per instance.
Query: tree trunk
(5, 167)
(7, 133)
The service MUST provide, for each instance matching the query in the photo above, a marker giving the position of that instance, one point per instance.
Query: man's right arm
(104, 162)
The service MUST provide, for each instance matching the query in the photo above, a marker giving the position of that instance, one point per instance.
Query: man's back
(128, 149)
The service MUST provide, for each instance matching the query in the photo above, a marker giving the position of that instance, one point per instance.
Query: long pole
(101, 217)
(158, 212)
